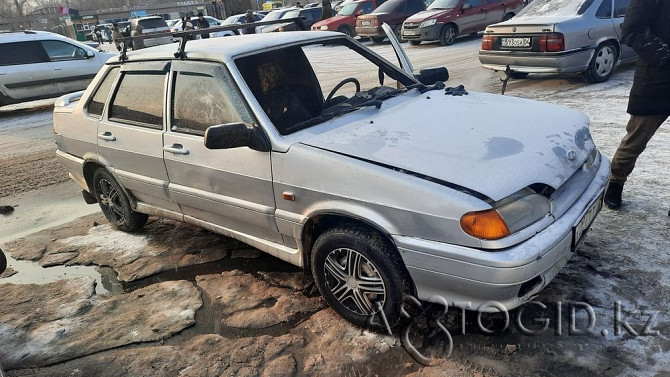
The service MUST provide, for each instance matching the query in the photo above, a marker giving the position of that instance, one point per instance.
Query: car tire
(344, 257)
(115, 204)
(346, 29)
(602, 64)
(377, 40)
(415, 43)
(448, 35)
(3, 262)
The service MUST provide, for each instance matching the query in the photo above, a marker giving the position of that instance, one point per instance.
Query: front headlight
(507, 216)
(324, 27)
(428, 23)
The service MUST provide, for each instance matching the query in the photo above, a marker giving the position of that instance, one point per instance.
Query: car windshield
(298, 87)
(348, 9)
(444, 4)
(561, 8)
(171, 23)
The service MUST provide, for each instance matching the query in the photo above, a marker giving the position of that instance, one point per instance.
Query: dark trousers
(639, 130)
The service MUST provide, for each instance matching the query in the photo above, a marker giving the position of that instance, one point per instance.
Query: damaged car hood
(494, 145)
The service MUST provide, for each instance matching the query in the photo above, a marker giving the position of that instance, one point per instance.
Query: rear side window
(620, 7)
(97, 103)
(605, 9)
(139, 99)
(204, 96)
(367, 7)
(21, 53)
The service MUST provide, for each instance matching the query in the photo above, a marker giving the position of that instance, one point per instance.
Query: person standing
(646, 29)
(326, 9)
(108, 34)
(98, 35)
(249, 19)
(117, 37)
(202, 23)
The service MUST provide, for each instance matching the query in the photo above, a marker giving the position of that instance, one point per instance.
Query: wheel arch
(320, 222)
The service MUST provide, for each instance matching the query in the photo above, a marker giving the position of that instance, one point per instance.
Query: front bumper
(467, 277)
(430, 33)
(572, 61)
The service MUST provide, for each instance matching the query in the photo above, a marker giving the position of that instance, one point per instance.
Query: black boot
(613, 195)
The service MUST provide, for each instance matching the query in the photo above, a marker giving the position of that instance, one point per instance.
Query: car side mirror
(90, 54)
(235, 135)
(429, 76)
(466, 6)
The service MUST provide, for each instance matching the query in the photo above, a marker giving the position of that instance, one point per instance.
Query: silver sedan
(559, 36)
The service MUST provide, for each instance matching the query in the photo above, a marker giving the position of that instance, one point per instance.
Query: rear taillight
(487, 42)
(552, 42)
(375, 22)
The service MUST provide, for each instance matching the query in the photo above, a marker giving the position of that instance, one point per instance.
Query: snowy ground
(625, 259)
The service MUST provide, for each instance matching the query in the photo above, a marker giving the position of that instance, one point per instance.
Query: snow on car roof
(543, 8)
(226, 48)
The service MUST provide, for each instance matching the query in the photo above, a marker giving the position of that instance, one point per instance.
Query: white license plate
(366, 23)
(410, 32)
(514, 42)
(579, 230)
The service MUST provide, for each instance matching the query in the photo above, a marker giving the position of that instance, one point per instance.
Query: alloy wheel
(604, 62)
(110, 198)
(354, 281)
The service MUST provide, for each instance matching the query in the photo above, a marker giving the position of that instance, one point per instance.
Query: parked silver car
(39, 64)
(559, 36)
(399, 188)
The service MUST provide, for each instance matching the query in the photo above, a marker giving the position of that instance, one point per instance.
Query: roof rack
(19, 31)
(184, 35)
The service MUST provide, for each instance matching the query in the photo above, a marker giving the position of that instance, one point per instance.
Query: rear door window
(97, 103)
(22, 53)
(139, 99)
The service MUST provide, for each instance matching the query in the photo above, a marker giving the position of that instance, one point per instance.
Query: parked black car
(308, 17)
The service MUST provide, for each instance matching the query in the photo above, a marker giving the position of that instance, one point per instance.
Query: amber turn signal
(487, 225)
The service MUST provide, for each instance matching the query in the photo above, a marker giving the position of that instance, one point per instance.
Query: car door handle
(107, 136)
(58, 69)
(176, 149)
(482, 10)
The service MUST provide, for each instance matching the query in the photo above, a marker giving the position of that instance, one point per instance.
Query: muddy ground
(176, 300)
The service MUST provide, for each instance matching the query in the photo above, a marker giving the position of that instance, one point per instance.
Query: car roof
(30, 35)
(224, 49)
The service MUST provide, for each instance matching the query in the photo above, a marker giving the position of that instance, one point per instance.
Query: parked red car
(444, 20)
(345, 20)
(392, 12)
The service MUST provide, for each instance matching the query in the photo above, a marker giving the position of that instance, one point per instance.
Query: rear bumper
(573, 61)
(370, 31)
(467, 277)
